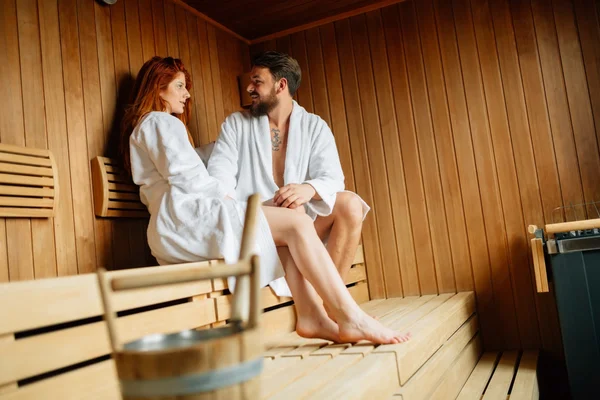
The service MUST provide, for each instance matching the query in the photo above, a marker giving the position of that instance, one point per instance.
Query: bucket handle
(246, 271)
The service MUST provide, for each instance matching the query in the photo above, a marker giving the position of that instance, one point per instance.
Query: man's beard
(263, 107)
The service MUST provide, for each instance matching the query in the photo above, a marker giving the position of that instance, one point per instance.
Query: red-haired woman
(192, 219)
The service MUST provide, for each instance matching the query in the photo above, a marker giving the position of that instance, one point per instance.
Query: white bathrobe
(242, 161)
(190, 219)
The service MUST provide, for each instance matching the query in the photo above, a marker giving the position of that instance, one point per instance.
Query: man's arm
(223, 162)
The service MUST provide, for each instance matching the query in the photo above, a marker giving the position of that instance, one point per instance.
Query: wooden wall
(66, 67)
(461, 123)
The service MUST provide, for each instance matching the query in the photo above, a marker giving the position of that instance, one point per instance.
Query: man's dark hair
(281, 65)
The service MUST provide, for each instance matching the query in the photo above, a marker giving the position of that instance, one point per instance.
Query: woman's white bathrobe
(190, 219)
(242, 160)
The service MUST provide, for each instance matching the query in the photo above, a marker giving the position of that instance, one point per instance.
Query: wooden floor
(435, 363)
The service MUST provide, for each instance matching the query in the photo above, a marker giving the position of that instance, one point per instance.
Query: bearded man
(288, 155)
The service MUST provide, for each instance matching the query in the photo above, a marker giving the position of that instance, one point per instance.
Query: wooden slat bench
(505, 375)
(54, 344)
(445, 332)
(28, 182)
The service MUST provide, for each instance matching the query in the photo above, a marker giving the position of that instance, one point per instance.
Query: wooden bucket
(220, 363)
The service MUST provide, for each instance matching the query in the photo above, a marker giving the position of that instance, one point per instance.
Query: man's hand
(294, 195)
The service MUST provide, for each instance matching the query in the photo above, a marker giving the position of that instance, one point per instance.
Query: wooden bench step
(445, 329)
(510, 374)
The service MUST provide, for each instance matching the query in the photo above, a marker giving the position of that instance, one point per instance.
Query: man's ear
(281, 85)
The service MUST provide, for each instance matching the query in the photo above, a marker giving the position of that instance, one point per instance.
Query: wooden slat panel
(486, 168)
(215, 69)
(195, 68)
(125, 205)
(578, 97)
(92, 104)
(405, 271)
(27, 212)
(420, 278)
(525, 386)
(51, 301)
(543, 147)
(339, 125)
(26, 180)
(97, 381)
(479, 378)
(502, 378)
(64, 228)
(147, 30)
(42, 230)
(558, 107)
(75, 121)
(160, 35)
(123, 196)
(299, 369)
(359, 155)
(26, 191)
(24, 160)
(427, 150)
(459, 372)
(382, 207)
(518, 152)
(445, 146)
(18, 243)
(305, 92)
(316, 65)
(26, 202)
(123, 187)
(205, 76)
(41, 154)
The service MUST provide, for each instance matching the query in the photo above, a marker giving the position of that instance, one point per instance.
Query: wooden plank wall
(461, 122)
(66, 68)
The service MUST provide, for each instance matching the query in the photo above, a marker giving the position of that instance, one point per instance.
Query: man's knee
(349, 207)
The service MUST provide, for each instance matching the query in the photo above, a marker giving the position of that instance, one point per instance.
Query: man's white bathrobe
(242, 160)
(190, 218)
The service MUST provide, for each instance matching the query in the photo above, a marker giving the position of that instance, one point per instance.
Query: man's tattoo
(275, 140)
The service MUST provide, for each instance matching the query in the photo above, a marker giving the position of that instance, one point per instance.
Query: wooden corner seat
(28, 182)
(115, 195)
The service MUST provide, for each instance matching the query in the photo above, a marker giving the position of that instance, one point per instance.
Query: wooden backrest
(54, 343)
(28, 182)
(115, 195)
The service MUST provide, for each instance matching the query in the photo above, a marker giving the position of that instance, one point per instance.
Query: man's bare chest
(278, 151)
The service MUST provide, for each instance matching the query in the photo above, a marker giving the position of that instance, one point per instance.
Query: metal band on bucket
(196, 383)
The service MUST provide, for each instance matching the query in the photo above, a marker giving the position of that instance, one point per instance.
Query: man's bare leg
(344, 226)
(295, 230)
(312, 320)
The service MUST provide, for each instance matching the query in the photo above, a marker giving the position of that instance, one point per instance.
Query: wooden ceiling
(253, 19)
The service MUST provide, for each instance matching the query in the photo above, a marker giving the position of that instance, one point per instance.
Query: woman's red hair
(154, 77)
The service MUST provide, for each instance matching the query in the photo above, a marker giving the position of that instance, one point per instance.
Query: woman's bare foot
(319, 327)
(361, 326)
(330, 314)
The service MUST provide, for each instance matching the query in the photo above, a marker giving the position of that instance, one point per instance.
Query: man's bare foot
(363, 327)
(319, 327)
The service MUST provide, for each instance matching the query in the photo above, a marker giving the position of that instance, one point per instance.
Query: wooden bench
(28, 182)
(502, 375)
(54, 343)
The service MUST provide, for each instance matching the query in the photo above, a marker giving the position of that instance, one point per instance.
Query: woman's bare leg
(312, 320)
(296, 230)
